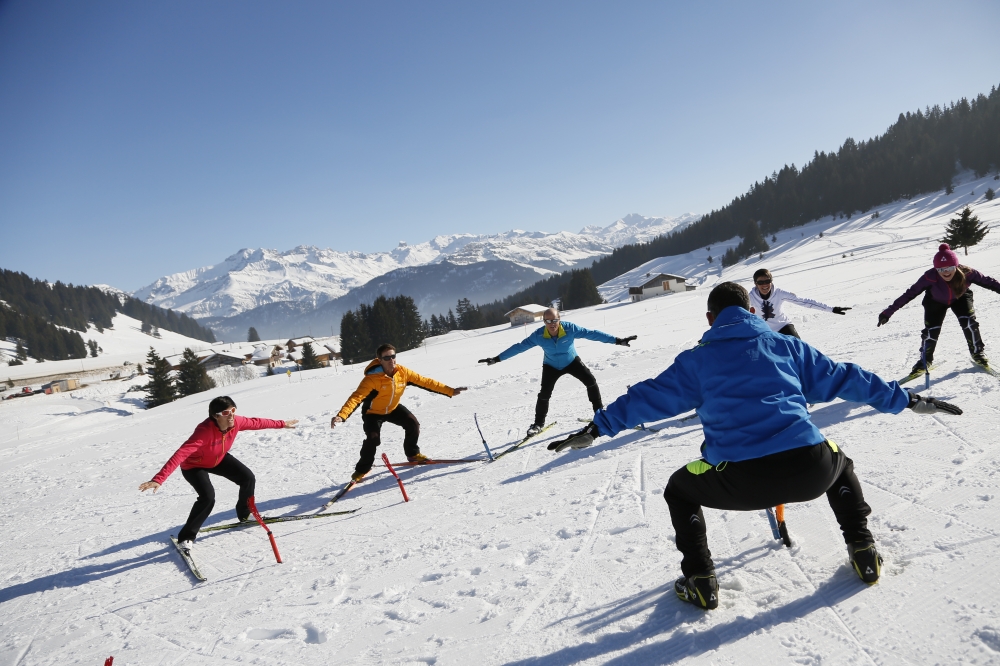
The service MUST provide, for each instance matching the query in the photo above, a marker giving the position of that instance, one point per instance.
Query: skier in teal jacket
(750, 386)
(556, 340)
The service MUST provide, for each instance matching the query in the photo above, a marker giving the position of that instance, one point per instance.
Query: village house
(526, 314)
(658, 285)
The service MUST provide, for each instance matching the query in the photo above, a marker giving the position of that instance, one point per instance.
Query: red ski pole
(256, 514)
(385, 459)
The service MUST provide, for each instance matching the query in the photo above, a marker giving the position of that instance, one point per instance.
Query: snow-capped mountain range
(309, 276)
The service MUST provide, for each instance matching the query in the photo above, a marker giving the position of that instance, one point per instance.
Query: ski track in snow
(538, 558)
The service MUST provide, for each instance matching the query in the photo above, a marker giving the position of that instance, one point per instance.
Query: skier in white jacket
(767, 300)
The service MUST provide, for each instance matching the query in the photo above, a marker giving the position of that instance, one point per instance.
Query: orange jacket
(379, 393)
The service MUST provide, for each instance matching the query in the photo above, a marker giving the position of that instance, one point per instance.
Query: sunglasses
(551, 321)
(227, 412)
(388, 357)
(946, 269)
(763, 282)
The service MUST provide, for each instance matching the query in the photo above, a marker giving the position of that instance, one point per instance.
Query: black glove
(840, 310)
(624, 341)
(490, 361)
(932, 405)
(883, 319)
(580, 440)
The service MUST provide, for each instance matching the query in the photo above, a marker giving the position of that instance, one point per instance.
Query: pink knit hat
(945, 257)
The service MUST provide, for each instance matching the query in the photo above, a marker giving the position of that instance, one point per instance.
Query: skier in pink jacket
(206, 452)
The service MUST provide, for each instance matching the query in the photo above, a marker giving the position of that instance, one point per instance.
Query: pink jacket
(208, 445)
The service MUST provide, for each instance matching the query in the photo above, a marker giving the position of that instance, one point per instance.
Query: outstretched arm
(515, 349)
(986, 281)
(823, 379)
(672, 392)
(807, 302)
(918, 287)
(589, 333)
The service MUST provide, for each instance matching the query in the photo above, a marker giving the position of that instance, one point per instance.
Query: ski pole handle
(385, 459)
(256, 514)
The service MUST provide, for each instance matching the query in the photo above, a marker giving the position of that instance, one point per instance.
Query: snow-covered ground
(538, 558)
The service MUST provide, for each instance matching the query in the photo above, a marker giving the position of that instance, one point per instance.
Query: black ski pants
(372, 424)
(789, 329)
(549, 378)
(230, 468)
(934, 314)
(798, 475)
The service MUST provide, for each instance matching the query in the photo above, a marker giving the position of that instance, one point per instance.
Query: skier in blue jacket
(556, 340)
(750, 386)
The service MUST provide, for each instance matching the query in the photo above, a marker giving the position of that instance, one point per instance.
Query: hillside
(538, 558)
(122, 341)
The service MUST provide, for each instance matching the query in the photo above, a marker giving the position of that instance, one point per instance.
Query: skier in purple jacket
(946, 286)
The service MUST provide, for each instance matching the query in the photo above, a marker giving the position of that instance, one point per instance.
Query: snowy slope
(538, 558)
(124, 341)
(307, 275)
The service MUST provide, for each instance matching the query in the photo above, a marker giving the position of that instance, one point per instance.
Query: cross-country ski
(188, 558)
(271, 520)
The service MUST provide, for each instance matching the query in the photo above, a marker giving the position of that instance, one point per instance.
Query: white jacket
(769, 309)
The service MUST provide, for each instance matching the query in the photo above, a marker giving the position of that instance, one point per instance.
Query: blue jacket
(559, 351)
(750, 387)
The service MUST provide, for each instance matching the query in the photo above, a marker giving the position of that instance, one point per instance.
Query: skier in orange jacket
(379, 394)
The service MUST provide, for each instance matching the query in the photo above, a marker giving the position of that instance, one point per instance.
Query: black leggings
(230, 468)
(372, 424)
(789, 329)
(934, 313)
(549, 377)
(798, 475)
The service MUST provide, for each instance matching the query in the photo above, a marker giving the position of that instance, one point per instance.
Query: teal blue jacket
(559, 350)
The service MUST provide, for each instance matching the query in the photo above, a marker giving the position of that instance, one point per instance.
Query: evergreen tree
(452, 322)
(355, 343)
(92, 344)
(412, 330)
(147, 328)
(989, 194)
(469, 315)
(383, 324)
(309, 361)
(965, 231)
(581, 291)
(191, 375)
(252, 335)
(20, 352)
(160, 389)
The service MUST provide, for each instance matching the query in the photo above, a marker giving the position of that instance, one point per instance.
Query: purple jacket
(939, 289)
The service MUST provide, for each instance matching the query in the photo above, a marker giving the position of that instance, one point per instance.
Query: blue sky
(139, 139)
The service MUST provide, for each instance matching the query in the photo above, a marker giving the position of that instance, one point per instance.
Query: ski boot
(534, 429)
(185, 547)
(980, 359)
(357, 476)
(420, 459)
(702, 590)
(866, 561)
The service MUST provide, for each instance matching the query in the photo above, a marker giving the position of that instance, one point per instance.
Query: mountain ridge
(310, 276)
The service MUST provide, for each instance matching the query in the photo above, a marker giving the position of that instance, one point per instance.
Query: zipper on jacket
(392, 396)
